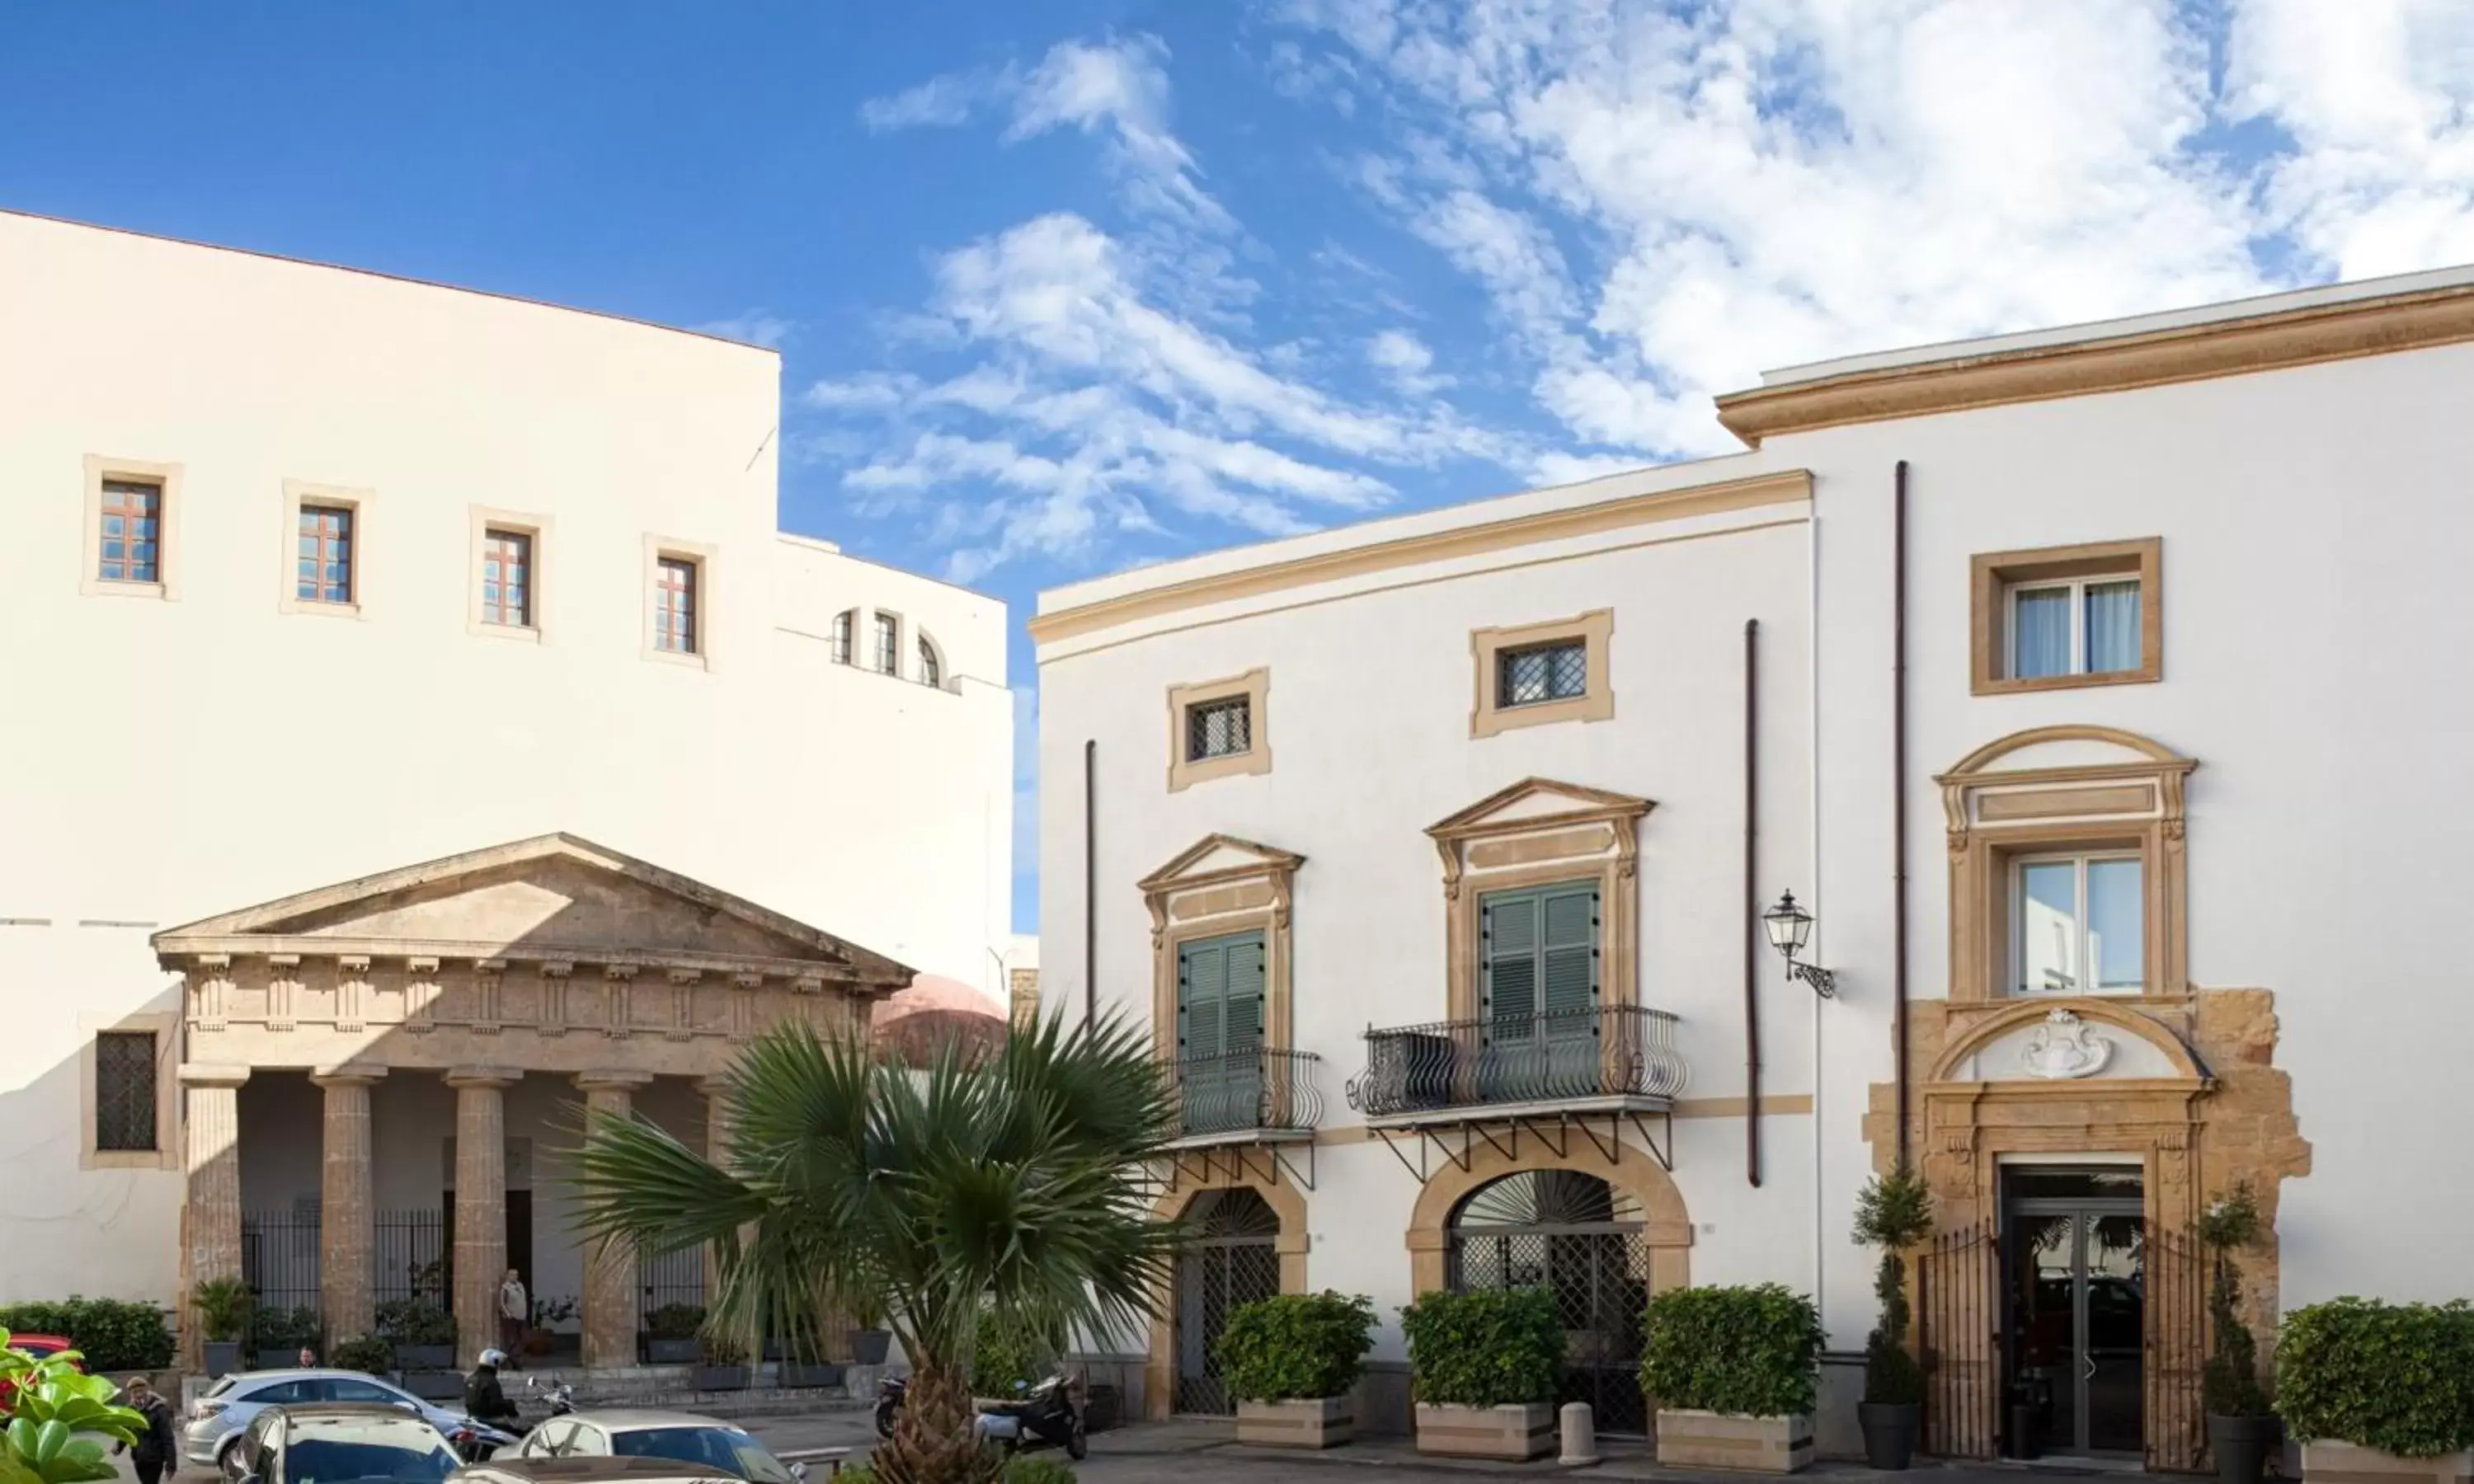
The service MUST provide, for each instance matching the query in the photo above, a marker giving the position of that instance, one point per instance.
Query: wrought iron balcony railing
(1261, 1089)
(1566, 1055)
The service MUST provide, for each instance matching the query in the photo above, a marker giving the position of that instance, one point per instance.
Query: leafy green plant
(550, 1313)
(284, 1329)
(2395, 1377)
(1297, 1346)
(364, 1353)
(674, 1322)
(2229, 1384)
(1005, 1351)
(113, 1334)
(1752, 1351)
(1033, 1469)
(1893, 1213)
(223, 1306)
(57, 1420)
(415, 1320)
(1495, 1347)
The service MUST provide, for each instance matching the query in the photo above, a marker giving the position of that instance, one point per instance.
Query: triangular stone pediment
(1219, 855)
(556, 896)
(1535, 799)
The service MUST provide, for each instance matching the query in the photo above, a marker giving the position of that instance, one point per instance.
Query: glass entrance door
(2074, 1260)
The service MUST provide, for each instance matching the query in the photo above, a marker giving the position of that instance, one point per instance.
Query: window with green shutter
(1538, 988)
(1219, 1029)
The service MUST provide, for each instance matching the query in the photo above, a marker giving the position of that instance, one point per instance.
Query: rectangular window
(124, 1092)
(842, 636)
(2074, 627)
(889, 642)
(1537, 993)
(507, 579)
(1219, 1033)
(325, 569)
(2080, 925)
(674, 606)
(131, 531)
(1217, 728)
(1545, 672)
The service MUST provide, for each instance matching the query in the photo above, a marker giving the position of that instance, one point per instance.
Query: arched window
(843, 624)
(931, 672)
(1585, 1242)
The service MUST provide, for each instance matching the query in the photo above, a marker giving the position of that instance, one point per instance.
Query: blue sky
(1068, 285)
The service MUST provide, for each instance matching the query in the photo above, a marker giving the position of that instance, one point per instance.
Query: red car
(38, 1345)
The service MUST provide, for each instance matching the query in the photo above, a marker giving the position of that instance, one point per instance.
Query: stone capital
(613, 1081)
(213, 1074)
(350, 1074)
(484, 1076)
(716, 1085)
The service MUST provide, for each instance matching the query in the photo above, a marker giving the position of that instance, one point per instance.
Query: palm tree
(1008, 1183)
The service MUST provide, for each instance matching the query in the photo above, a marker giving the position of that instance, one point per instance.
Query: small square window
(2081, 627)
(507, 579)
(1546, 671)
(2068, 615)
(130, 526)
(124, 1093)
(131, 534)
(1219, 729)
(674, 606)
(323, 571)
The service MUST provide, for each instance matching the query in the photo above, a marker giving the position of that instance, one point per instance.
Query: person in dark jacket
(157, 1453)
(484, 1399)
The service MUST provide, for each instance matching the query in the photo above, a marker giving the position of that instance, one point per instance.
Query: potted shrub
(278, 1336)
(364, 1353)
(1734, 1372)
(1293, 1364)
(870, 1342)
(542, 1336)
(1893, 1214)
(223, 1306)
(721, 1365)
(2242, 1425)
(670, 1334)
(422, 1333)
(2371, 1389)
(1485, 1366)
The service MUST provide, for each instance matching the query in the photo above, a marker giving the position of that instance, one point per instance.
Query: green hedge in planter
(1295, 1346)
(1753, 1351)
(1497, 1346)
(2395, 1377)
(364, 1353)
(113, 1334)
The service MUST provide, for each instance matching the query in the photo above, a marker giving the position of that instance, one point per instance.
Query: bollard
(1580, 1434)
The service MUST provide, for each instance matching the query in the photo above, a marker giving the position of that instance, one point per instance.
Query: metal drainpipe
(1898, 800)
(1752, 911)
(1821, 918)
(1090, 884)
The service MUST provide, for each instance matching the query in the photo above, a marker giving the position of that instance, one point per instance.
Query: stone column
(609, 1276)
(210, 1213)
(348, 1237)
(717, 1148)
(480, 1203)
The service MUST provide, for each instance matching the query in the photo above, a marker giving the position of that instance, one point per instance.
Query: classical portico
(550, 961)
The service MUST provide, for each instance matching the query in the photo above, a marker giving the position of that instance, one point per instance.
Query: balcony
(1254, 1096)
(1614, 1059)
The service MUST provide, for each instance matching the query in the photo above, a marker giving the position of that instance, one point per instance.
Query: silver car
(636, 1432)
(231, 1403)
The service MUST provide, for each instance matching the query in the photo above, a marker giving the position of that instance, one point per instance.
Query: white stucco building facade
(2126, 645)
(545, 597)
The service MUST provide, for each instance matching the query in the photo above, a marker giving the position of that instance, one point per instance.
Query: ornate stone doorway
(1234, 1260)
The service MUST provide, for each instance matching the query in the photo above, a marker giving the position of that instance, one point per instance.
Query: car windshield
(719, 1448)
(334, 1450)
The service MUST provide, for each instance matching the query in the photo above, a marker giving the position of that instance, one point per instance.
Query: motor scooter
(475, 1440)
(890, 1394)
(1041, 1415)
(560, 1395)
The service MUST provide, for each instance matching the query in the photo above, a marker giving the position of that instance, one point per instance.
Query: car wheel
(224, 1457)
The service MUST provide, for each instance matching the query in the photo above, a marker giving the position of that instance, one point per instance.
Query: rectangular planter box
(435, 1385)
(1518, 1432)
(2351, 1463)
(285, 1359)
(810, 1373)
(670, 1352)
(223, 1357)
(1718, 1440)
(1327, 1422)
(721, 1378)
(425, 1357)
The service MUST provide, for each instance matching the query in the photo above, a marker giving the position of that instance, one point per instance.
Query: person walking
(157, 1453)
(515, 1307)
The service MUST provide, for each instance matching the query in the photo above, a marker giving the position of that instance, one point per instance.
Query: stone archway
(1287, 1204)
(1666, 1227)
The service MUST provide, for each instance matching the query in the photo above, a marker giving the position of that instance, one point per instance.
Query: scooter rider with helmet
(485, 1401)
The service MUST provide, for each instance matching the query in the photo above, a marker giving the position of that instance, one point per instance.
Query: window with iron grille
(1219, 729)
(889, 644)
(325, 573)
(124, 1090)
(842, 636)
(675, 606)
(931, 672)
(132, 526)
(507, 579)
(1546, 671)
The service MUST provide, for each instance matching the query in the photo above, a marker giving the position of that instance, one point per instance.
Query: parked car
(320, 1441)
(38, 1345)
(234, 1401)
(508, 1469)
(683, 1437)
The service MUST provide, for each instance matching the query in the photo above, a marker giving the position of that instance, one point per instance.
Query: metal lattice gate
(2174, 1272)
(1233, 1258)
(1556, 1230)
(1958, 1309)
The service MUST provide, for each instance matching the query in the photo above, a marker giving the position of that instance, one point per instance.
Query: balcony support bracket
(1664, 1154)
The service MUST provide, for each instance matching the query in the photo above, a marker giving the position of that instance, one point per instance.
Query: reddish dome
(914, 1025)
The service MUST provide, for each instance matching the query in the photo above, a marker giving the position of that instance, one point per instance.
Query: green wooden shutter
(1202, 999)
(1508, 957)
(1244, 1015)
(1568, 955)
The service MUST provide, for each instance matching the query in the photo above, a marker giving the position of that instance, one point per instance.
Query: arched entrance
(1233, 1258)
(1587, 1243)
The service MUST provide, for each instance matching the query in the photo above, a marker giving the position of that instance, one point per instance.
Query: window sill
(1489, 721)
(126, 1160)
(696, 660)
(2005, 688)
(314, 608)
(115, 587)
(1186, 775)
(521, 634)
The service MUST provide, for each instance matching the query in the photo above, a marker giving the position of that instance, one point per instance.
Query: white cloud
(1119, 87)
(1405, 362)
(754, 328)
(939, 102)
